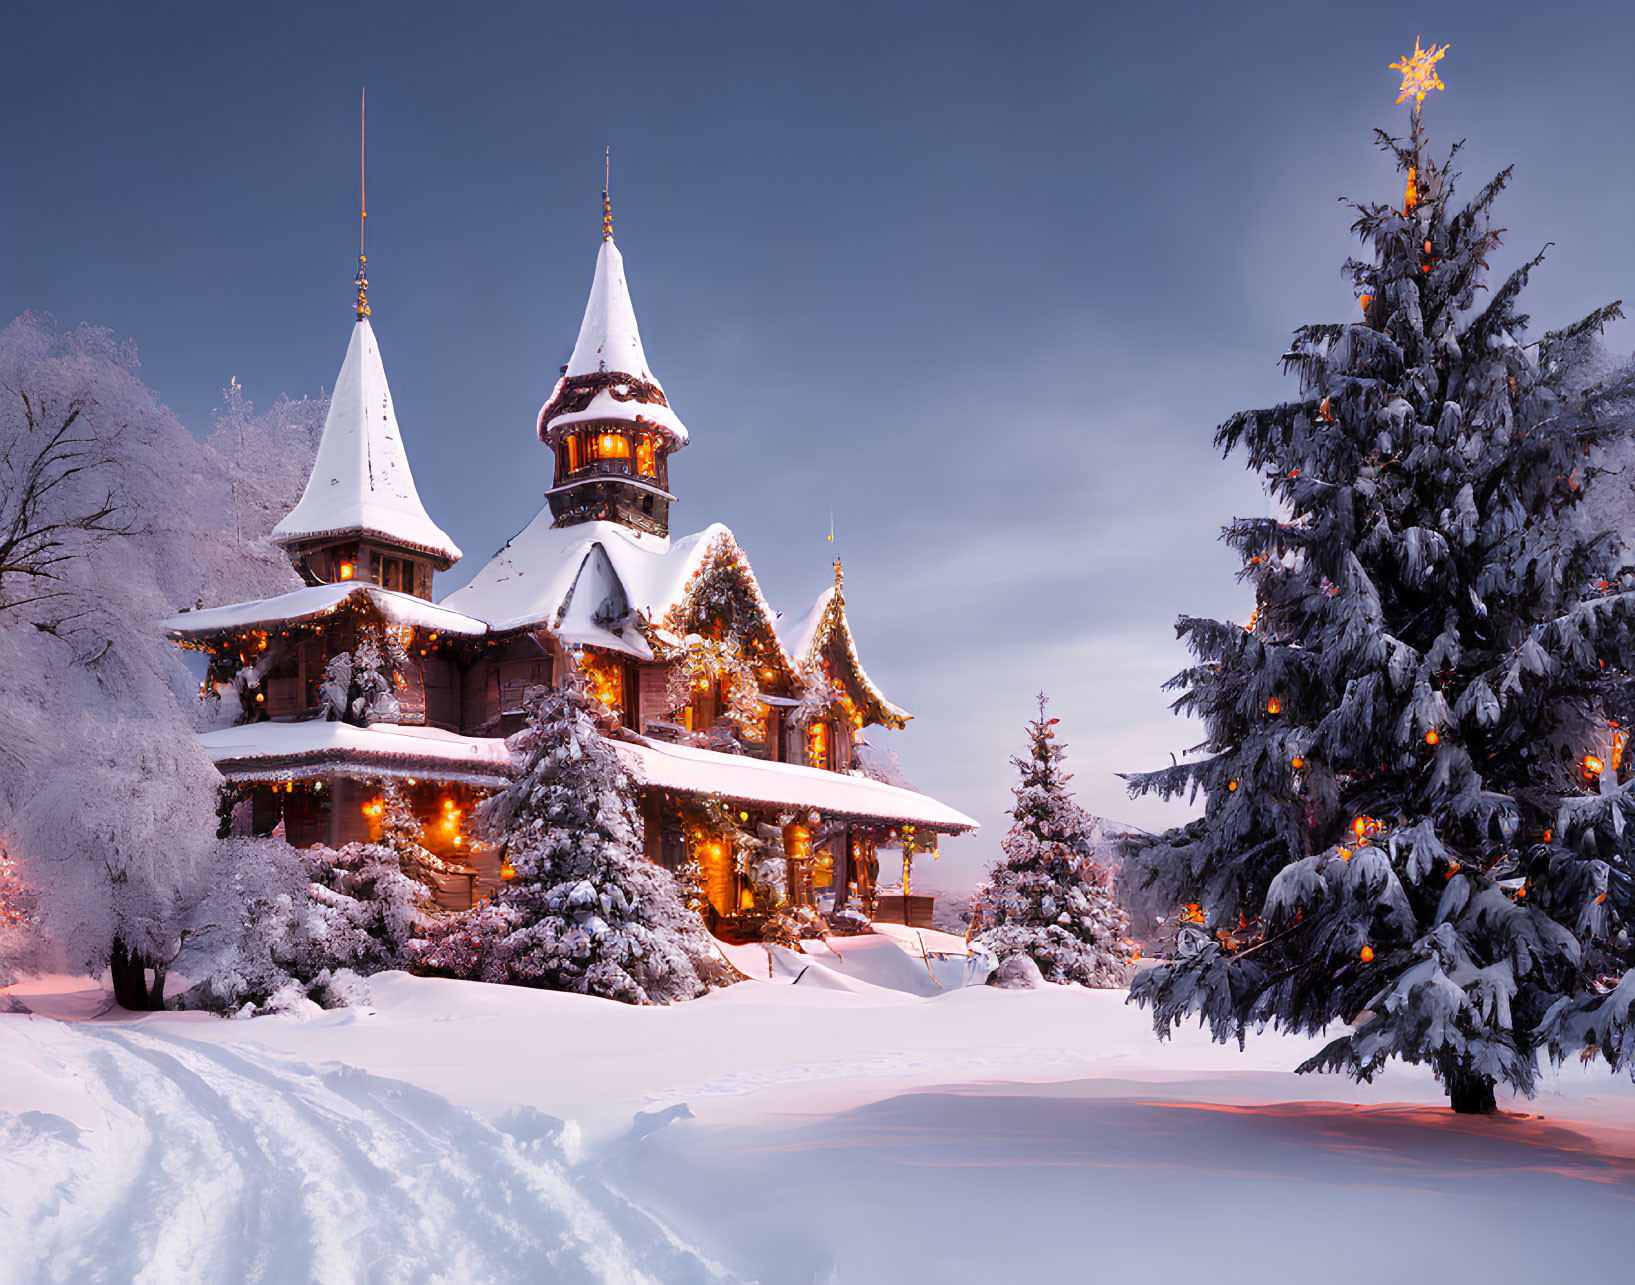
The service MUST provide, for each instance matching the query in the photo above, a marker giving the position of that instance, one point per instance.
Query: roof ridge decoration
(723, 553)
(360, 482)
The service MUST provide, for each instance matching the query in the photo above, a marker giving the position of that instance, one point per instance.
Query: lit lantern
(1593, 767)
(1274, 706)
(508, 871)
(1431, 738)
(348, 570)
(1366, 954)
(1297, 762)
(1231, 785)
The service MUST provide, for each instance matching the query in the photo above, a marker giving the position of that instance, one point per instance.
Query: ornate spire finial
(362, 279)
(1419, 73)
(607, 201)
(839, 576)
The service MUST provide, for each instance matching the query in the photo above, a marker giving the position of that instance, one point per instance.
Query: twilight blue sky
(980, 278)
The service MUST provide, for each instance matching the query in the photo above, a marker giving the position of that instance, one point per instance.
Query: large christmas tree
(1413, 817)
(581, 908)
(1050, 897)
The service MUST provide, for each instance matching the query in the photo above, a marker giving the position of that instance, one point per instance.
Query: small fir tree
(1407, 823)
(582, 910)
(1049, 897)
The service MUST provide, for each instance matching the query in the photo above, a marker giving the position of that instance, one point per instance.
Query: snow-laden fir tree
(285, 927)
(360, 686)
(582, 909)
(1049, 897)
(1413, 818)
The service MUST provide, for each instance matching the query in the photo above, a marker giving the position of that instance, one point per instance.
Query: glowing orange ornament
(1274, 706)
(1593, 766)
(1431, 737)
(1366, 954)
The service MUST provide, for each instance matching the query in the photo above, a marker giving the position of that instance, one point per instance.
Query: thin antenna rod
(607, 202)
(362, 280)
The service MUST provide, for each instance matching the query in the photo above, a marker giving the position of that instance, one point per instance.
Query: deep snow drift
(836, 1129)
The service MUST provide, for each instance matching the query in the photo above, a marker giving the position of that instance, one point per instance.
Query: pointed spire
(360, 483)
(362, 280)
(609, 354)
(607, 201)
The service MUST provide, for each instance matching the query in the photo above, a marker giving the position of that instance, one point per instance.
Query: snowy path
(792, 1133)
(209, 1165)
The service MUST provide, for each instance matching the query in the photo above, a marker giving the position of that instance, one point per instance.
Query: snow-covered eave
(740, 779)
(318, 767)
(445, 554)
(317, 749)
(888, 713)
(604, 408)
(322, 600)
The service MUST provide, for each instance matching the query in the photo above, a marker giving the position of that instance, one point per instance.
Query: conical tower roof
(360, 483)
(608, 376)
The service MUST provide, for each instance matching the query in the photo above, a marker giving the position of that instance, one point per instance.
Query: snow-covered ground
(863, 1124)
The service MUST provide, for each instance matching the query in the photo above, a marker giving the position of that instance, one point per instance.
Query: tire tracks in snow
(214, 1163)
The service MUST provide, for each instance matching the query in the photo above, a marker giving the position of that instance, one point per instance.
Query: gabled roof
(360, 483)
(805, 638)
(566, 578)
(610, 343)
(578, 581)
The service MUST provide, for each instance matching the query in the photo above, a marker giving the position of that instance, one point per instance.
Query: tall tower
(360, 517)
(607, 422)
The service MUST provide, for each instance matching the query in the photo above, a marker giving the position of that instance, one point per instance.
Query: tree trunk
(156, 994)
(1469, 1092)
(130, 978)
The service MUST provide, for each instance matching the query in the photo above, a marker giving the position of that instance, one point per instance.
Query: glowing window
(817, 745)
(646, 463)
(611, 446)
(570, 453)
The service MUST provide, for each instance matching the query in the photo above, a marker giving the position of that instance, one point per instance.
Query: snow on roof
(539, 578)
(749, 780)
(360, 481)
(318, 600)
(797, 634)
(609, 340)
(286, 751)
(804, 636)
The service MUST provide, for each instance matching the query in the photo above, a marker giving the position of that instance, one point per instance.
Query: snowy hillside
(832, 1130)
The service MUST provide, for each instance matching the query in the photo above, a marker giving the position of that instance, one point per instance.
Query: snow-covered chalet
(731, 717)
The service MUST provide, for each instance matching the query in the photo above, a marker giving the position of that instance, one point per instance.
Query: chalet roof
(740, 779)
(291, 751)
(611, 342)
(322, 600)
(360, 483)
(804, 638)
(581, 580)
